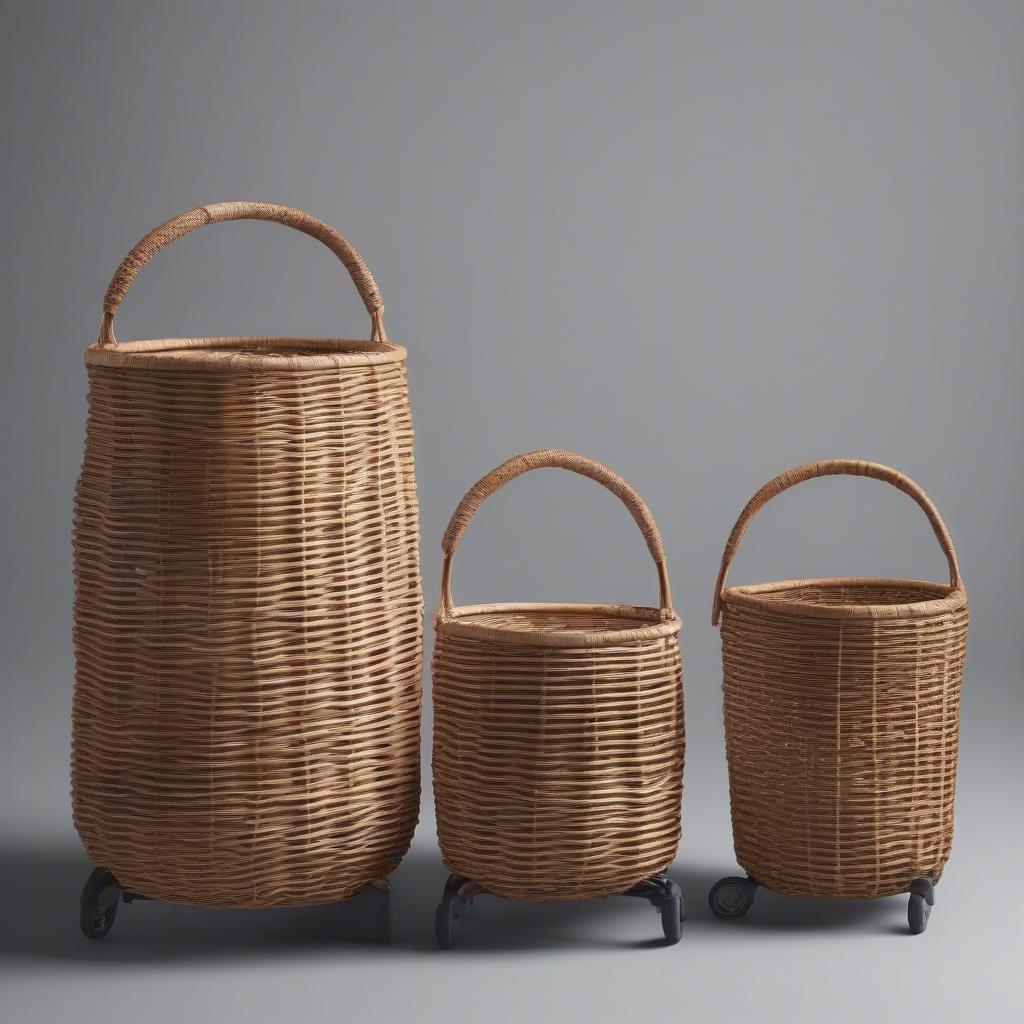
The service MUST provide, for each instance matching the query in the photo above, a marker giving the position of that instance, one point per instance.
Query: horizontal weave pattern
(248, 626)
(841, 737)
(558, 728)
(842, 715)
(557, 771)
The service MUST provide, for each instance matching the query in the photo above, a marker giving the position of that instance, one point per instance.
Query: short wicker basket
(842, 701)
(558, 729)
(248, 605)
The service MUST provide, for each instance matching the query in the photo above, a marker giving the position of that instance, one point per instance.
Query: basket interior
(257, 352)
(842, 598)
(558, 625)
(561, 620)
(846, 593)
(270, 350)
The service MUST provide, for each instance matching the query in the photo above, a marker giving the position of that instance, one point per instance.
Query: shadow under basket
(842, 713)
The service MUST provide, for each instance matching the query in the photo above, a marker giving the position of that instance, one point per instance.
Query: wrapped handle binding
(833, 467)
(185, 223)
(553, 458)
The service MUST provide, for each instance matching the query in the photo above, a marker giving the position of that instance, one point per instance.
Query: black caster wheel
(663, 894)
(452, 905)
(730, 898)
(673, 914)
(98, 904)
(919, 909)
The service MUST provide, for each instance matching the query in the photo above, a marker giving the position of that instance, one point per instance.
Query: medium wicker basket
(558, 729)
(248, 608)
(842, 701)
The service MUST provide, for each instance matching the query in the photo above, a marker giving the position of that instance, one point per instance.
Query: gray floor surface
(790, 959)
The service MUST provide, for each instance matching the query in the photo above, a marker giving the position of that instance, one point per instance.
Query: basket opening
(880, 598)
(591, 620)
(558, 625)
(841, 593)
(258, 352)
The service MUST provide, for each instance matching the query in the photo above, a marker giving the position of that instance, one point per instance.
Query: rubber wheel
(97, 921)
(918, 912)
(730, 898)
(672, 917)
(444, 931)
(98, 904)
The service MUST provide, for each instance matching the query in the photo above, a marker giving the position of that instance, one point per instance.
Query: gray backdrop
(701, 242)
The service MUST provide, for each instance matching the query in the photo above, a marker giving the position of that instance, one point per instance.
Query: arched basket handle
(834, 467)
(553, 458)
(185, 223)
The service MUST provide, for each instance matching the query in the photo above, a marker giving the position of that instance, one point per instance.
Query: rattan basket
(558, 729)
(248, 609)
(842, 712)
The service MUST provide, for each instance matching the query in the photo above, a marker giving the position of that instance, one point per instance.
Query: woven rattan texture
(841, 731)
(852, 594)
(556, 620)
(248, 635)
(557, 768)
(248, 626)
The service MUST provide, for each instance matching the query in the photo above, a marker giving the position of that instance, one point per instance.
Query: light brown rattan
(558, 729)
(842, 714)
(248, 616)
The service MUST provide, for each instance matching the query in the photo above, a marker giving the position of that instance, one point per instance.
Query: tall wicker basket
(558, 732)
(248, 607)
(842, 712)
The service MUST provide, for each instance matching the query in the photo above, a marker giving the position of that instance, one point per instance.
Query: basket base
(457, 899)
(103, 893)
(731, 897)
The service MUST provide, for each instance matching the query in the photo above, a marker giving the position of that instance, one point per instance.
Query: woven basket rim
(662, 624)
(185, 353)
(947, 599)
